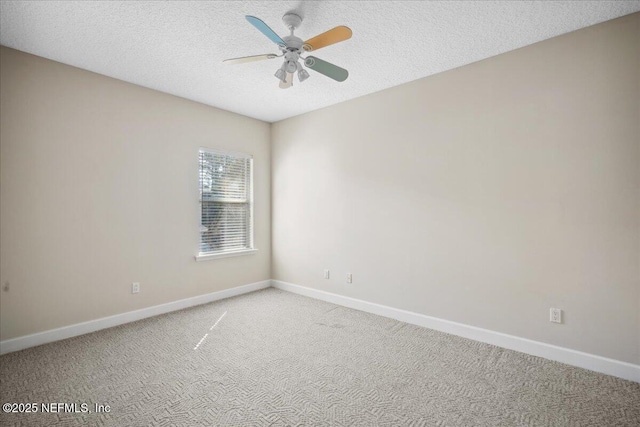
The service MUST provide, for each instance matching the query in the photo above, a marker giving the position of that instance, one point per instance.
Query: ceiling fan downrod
(292, 50)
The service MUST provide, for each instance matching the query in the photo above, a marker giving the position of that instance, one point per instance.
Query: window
(226, 204)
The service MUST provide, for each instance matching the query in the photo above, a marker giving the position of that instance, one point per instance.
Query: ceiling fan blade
(328, 69)
(327, 38)
(252, 58)
(288, 82)
(266, 30)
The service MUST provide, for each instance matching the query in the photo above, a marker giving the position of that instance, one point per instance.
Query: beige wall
(100, 189)
(483, 195)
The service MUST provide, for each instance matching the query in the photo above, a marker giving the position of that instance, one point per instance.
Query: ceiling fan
(292, 48)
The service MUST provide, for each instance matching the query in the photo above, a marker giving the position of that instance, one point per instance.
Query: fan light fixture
(302, 73)
(291, 66)
(281, 74)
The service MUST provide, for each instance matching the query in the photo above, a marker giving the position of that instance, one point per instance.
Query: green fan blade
(328, 69)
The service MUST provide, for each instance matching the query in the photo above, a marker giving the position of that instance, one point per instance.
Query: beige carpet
(272, 358)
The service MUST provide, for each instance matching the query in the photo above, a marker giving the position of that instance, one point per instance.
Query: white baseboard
(628, 371)
(19, 343)
(617, 368)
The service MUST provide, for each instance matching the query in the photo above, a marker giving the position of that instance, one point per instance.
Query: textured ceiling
(178, 47)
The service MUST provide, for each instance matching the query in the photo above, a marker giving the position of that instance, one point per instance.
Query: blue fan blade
(264, 29)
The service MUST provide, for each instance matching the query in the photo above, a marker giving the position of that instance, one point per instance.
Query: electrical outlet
(326, 274)
(555, 315)
(349, 278)
(135, 287)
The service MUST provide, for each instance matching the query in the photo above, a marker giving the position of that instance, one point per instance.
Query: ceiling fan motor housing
(293, 43)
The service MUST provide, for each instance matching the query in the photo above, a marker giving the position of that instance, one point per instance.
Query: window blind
(226, 204)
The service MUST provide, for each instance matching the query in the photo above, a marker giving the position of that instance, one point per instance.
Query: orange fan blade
(330, 37)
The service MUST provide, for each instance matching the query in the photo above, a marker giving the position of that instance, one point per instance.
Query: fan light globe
(291, 66)
(302, 75)
(281, 75)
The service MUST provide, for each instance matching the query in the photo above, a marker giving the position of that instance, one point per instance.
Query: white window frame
(205, 256)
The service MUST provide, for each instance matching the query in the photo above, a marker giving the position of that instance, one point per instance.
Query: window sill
(207, 257)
